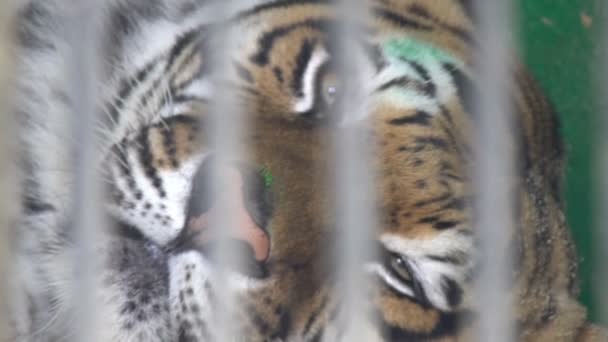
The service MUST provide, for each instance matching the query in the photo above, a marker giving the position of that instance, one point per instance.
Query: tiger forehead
(443, 23)
(285, 49)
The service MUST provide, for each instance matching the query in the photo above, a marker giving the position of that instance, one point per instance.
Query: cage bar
(494, 169)
(226, 126)
(8, 167)
(601, 174)
(83, 37)
(352, 174)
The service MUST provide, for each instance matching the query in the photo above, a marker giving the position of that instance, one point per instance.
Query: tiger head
(285, 78)
(158, 282)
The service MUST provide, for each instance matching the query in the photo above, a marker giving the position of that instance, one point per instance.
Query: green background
(557, 42)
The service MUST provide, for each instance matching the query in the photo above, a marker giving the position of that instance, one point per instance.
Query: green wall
(557, 44)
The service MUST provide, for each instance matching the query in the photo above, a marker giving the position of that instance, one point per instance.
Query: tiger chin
(156, 278)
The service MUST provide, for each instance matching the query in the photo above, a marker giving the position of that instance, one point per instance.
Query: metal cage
(350, 178)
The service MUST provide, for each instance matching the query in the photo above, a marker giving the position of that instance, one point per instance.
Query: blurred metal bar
(494, 168)
(227, 123)
(83, 37)
(601, 175)
(8, 166)
(352, 173)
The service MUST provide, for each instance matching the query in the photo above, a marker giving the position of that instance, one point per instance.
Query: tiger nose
(241, 225)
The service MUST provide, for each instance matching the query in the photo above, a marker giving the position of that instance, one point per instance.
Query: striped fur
(155, 94)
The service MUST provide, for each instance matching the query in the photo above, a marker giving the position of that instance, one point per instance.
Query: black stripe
(445, 167)
(182, 43)
(267, 40)
(467, 6)
(548, 313)
(445, 112)
(438, 143)
(441, 225)
(284, 325)
(464, 87)
(404, 82)
(461, 33)
(154, 88)
(177, 51)
(249, 90)
(278, 74)
(257, 320)
(170, 145)
(458, 203)
(449, 259)
(314, 315)
(430, 87)
(419, 11)
(35, 19)
(419, 118)
(302, 60)
(182, 98)
(126, 88)
(33, 206)
(243, 72)
(462, 148)
(116, 194)
(317, 337)
(375, 55)
(400, 20)
(428, 219)
(455, 30)
(199, 48)
(277, 4)
(202, 69)
(197, 75)
(525, 152)
(181, 119)
(440, 198)
(452, 291)
(128, 231)
(121, 153)
(445, 327)
(146, 159)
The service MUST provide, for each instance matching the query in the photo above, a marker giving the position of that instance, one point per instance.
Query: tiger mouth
(249, 205)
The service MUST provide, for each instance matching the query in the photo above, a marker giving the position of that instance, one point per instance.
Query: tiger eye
(329, 89)
(401, 268)
(330, 94)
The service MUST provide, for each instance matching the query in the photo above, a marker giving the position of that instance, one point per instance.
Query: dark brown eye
(400, 268)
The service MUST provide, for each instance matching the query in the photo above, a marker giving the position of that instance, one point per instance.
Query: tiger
(155, 94)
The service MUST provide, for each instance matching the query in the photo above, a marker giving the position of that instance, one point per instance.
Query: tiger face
(286, 79)
(158, 273)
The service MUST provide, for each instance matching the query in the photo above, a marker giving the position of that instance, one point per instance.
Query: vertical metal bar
(601, 176)
(494, 168)
(87, 220)
(352, 174)
(226, 127)
(8, 167)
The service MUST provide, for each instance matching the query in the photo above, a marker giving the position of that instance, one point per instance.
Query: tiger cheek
(407, 315)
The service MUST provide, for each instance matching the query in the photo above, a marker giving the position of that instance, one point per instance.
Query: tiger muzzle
(241, 195)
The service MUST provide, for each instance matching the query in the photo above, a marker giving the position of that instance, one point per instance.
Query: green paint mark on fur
(267, 176)
(418, 51)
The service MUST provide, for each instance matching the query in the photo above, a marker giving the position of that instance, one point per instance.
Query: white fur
(429, 271)
(306, 102)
